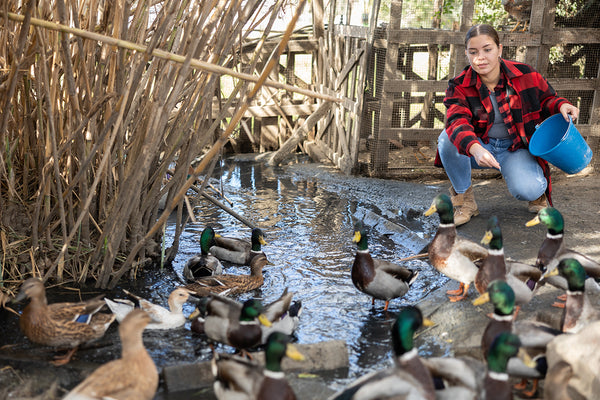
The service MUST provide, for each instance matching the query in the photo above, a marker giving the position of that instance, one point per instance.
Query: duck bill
(431, 210)
(428, 322)
(533, 222)
(264, 320)
(292, 352)
(262, 241)
(484, 298)
(527, 360)
(356, 237)
(487, 238)
(195, 314)
(551, 272)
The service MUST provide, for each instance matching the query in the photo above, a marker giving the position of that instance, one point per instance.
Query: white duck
(162, 318)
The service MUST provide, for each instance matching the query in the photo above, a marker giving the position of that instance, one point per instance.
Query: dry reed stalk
(98, 107)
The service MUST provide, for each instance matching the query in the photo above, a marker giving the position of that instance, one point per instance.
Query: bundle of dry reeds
(98, 100)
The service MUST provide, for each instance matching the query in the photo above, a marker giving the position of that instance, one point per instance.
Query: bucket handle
(570, 122)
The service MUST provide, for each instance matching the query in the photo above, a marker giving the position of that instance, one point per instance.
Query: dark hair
(482, 29)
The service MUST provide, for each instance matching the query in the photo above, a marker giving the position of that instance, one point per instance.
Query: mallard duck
(239, 251)
(239, 378)
(378, 278)
(494, 266)
(162, 318)
(553, 249)
(450, 253)
(409, 377)
(131, 377)
(578, 309)
(240, 330)
(534, 335)
(232, 284)
(282, 313)
(573, 361)
(502, 297)
(471, 376)
(62, 325)
(203, 264)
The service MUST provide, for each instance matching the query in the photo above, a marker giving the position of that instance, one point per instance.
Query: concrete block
(323, 356)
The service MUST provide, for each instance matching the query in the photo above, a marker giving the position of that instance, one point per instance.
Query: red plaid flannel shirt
(522, 91)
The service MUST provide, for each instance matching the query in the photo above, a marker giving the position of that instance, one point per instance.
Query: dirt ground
(459, 325)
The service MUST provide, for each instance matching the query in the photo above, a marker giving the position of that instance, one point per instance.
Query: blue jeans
(523, 175)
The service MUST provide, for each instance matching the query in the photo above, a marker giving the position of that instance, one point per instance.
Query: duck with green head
(578, 310)
(239, 378)
(504, 347)
(409, 377)
(239, 251)
(553, 249)
(203, 264)
(466, 377)
(451, 254)
(494, 266)
(283, 313)
(375, 277)
(241, 330)
(534, 335)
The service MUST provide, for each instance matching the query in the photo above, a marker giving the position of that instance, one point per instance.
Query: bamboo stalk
(165, 55)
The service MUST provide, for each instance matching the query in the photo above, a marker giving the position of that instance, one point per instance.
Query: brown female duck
(62, 325)
(232, 284)
(131, 377)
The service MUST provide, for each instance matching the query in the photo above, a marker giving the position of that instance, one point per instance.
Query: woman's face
(484, 55)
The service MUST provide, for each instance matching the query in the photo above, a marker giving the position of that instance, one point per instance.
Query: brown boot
(536, 205)
(464, 206)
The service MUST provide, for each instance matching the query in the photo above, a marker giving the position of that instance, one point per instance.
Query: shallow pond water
(308, 215)
(307, 212)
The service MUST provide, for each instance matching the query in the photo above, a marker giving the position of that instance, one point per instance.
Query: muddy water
(307, 213)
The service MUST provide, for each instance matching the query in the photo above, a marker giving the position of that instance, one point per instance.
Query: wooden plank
(573, 35)
(411, 133)
(397, 86)
(547, 25)
(351, 31)
(574, 84)
(416, 36)
(289, 109)
(293, 46)
(343, 75)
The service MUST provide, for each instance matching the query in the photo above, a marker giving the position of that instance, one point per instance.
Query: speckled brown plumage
(54, 324)
(232, 284)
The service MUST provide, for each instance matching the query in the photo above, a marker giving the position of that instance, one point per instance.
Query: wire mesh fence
(400, 127)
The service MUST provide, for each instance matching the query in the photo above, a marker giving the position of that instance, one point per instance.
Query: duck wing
(469, 249)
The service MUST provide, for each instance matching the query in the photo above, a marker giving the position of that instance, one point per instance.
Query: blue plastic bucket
(560, 143)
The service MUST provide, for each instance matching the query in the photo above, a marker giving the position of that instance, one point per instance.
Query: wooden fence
(401, 112)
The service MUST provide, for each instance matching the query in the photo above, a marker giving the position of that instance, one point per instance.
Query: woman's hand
(568, 109)
(482, 157)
